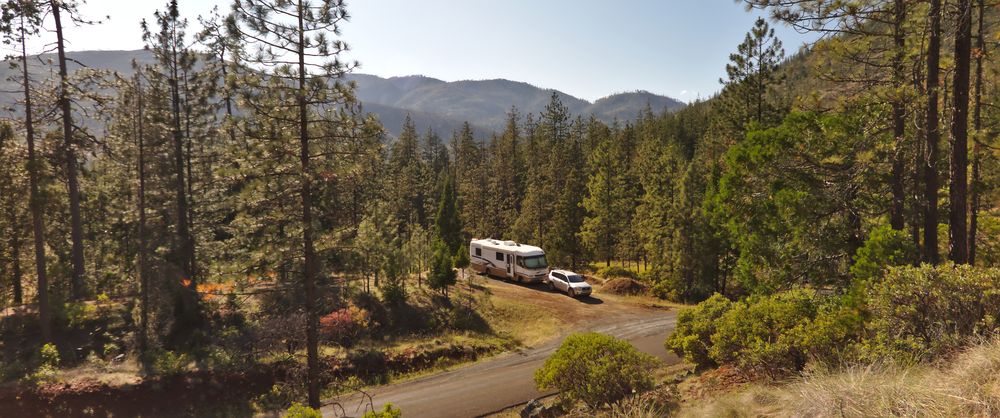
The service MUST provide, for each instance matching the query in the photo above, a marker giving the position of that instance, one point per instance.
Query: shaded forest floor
(99, 377)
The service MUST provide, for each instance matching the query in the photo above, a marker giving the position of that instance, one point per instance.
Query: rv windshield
(534, 262)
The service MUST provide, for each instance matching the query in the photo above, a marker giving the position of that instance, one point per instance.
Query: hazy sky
(587, 48)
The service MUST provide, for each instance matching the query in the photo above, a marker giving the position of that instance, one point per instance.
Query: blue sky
(587, 48)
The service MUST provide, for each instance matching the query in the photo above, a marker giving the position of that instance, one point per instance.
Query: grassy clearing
(525, 324)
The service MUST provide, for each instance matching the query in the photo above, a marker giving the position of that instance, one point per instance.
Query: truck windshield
(534, 262)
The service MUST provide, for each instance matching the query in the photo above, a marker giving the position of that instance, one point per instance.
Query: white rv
(508, 260)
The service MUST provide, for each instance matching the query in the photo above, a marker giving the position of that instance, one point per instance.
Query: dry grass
(526, 324)
(967, 386)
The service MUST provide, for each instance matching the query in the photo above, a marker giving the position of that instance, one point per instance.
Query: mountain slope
(431, 103)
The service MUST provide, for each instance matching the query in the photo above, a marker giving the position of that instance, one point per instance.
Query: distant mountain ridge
(485, 103)
(432, 103)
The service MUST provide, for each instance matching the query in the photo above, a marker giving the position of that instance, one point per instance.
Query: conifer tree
(545, 148)
(448, 226)
(958, 195)
(291, 40)
(975, 184)
(462, 260)
(469, 178)
(567, 209)
(173, 58)
(409, 178)
(932, 135)
(505, 182)
(751, 73)
(71, 142)
(442, 273)
(22, 20)
(13, 185)
(606, 194)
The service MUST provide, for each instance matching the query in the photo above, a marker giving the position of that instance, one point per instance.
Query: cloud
(684, 92)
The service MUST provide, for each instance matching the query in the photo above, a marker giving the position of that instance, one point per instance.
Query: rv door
(510, 261)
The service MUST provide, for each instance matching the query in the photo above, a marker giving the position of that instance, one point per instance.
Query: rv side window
(479, 252)
(499, 256)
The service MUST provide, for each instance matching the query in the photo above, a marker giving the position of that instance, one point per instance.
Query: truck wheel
(549, 286)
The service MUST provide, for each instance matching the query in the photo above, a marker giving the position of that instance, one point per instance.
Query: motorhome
(508, 260)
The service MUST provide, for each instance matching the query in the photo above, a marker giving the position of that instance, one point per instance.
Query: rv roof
(511, 246)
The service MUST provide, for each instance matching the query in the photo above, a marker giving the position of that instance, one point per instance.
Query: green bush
(764, 334)
(692, 338)
(884, 248)
(597, 369)
(77, 313)
(298, 410)
(930, 310)
(387, 411)
(910, 314)
(168, 363)
(48, 364)
(393, 293)
(831, 337)
(610, 272)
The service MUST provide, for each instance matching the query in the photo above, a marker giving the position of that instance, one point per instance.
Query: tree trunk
(186, 309)
(15, 256)
(309, 281)
(143, 277)
(35, 202)
(958, 196)
(192, 253)
(975, 186)
(896, 218)
(69, 153)
(933, 135)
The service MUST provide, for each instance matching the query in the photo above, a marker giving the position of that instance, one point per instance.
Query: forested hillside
(236, 203)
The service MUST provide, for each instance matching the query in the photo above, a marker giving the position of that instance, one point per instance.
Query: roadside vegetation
(224, 222)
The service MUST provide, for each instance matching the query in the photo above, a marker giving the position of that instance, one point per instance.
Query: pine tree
(418, 250)
(71, 143)
(506, 182)
(462, 260)
(21, 21)
(442, 274)
(13, 212)
(225, 51)
(567, 210)
(448, 226)
(375, 241)
(298, 31)
(546, 144)
(409, 178)
(751, 73)
(606, 194)
(173, 58)
(932, 136)
(958, 195)
(470, 178)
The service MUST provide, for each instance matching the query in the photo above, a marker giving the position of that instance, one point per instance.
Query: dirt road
(507, 380)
